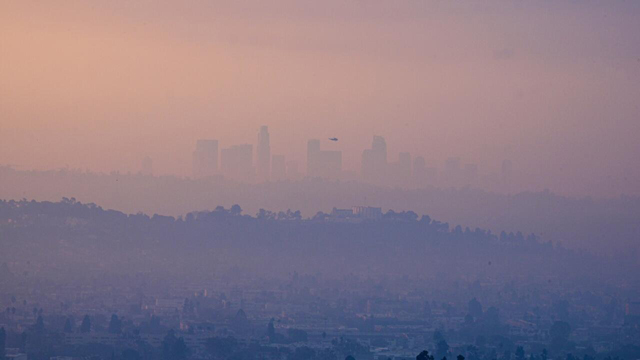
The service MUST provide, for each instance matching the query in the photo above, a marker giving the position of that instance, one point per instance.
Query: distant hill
(609, 226)
(70, 238)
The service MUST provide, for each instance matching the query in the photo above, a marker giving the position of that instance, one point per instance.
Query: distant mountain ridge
(72, 237)
(610, 226)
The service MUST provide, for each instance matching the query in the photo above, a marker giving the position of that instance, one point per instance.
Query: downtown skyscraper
(263, 155)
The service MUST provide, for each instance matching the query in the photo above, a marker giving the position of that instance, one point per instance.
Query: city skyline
(116, 82)
(319, 180)
(409, 171)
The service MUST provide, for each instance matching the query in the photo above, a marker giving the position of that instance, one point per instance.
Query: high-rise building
(431, 174)
(237, 162)
(278, 168)
(379, 149)
(263, 154)
(470, 174)
(419, 172)
(322, 163)
(404, 166)
(422, 174)
(452, 172)
(293, 171)
(374, 160)
(205, 158)
(313, 151)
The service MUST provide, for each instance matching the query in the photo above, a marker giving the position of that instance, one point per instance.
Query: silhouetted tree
(221, 348)
(180, 349)
(115, 325)
(437, 336)
(271, 331)
(296, 335)
(442, 349)
(240, 322)
(475, 308)
(3, 342)
(320, 216)
(235, 210)
(68, 326)
(506, 355)
(39, 326)
(85, 327)
(491, 320)
(559, 333)
(424, 355)
(23, 341)
(130, 354)
(173, 348)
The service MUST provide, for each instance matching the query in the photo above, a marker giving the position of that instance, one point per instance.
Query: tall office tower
(374, 160)
(452, 172)
(237, 162)
(419, 172)
(431, 175)
(278, 168)
(263, 154)
(313, 151)
(147, 166)
(470, 174)
(293, 173)
(323, 163)
(379, 151)
(404, 167)
(205, 158)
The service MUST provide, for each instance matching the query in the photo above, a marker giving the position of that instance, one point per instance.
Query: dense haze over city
(300, 180)
(552, 85)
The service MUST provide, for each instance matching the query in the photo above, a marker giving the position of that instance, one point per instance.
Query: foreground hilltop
(608, 226)
(61, 237)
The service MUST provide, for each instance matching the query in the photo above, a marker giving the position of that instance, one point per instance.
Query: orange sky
(553, 86)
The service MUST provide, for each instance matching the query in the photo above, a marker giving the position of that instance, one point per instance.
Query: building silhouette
(356, 214)
(263, 155)
(313, 149)
(452, 172)
(278, 168)
(323, 163)
(237, 162)
(205, 158)
(293, 170)
(470, 174)
(374, 160)
(367, 212)
(419, 171)
(403, 169)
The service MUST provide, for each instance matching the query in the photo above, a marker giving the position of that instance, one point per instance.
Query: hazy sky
(552, 85)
